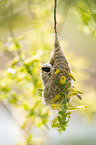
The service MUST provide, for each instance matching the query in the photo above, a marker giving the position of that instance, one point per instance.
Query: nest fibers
(57, 68)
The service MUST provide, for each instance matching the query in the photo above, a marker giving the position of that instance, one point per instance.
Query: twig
(55, 23)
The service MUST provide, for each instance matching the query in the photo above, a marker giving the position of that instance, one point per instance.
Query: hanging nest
(57, 81)
(58, 90)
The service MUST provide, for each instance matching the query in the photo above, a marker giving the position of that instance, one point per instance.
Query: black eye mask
(46, 69)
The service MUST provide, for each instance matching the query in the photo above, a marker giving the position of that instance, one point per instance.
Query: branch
(55, 23)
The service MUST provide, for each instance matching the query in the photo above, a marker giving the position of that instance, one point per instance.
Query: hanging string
(55, 22)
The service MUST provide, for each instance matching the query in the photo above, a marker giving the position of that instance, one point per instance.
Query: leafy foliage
(65, 106)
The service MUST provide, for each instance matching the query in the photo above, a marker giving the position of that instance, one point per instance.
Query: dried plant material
(54, 75)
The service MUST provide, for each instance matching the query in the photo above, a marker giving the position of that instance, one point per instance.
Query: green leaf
(57, 71)
(55, 106)
(59, 119)
(62, 80)
(62, 94)
(57, 97)
(70, 75)
(63, 127)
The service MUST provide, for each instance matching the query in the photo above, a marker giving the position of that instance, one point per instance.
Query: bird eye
(46, 69)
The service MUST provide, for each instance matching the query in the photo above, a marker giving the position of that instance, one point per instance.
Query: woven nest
(51, 79)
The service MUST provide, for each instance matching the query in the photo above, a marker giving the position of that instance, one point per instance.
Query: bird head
(45, 72)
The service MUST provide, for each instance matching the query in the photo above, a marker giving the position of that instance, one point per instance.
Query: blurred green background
(26, 42)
